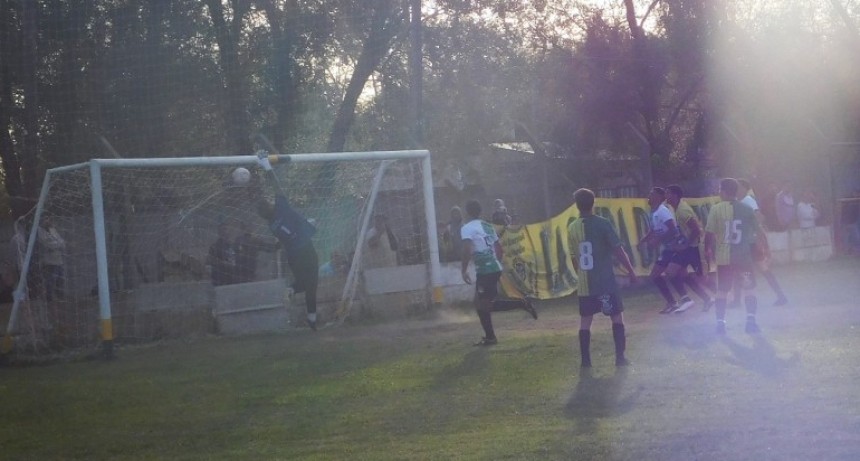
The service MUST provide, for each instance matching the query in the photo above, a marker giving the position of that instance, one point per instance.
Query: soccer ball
(240, 176)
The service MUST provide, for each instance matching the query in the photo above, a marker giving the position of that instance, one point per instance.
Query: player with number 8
(593, 242)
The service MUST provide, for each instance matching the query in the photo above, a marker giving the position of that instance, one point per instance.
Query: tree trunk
(238, 126)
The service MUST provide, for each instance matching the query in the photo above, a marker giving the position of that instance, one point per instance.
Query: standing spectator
(500, 214)
(294, 232)
(451, 235)
(52, 252)
(593, 242)
(786, 213)
(729, 234)
(382, 245)
(248, 246)
(222, 257)
(807, 210)
(760, 248)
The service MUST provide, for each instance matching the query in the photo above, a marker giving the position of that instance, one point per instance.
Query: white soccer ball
(240, 176)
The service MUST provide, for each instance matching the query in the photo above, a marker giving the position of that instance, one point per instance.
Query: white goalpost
(138, 249)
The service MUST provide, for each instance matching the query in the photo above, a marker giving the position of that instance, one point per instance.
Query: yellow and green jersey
(592, 242)
(734, 226)
(683, 214)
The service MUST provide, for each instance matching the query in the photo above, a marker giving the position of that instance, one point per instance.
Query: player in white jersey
(761, 249)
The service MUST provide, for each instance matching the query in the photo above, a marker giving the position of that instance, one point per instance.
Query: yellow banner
(537, 258)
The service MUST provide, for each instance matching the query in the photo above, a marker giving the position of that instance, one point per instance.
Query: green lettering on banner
(624, 235)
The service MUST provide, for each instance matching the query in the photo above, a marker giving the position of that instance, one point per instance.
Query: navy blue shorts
(689, 257)
(665, 258)
(487, 285)
(609, 304)
(730, 274)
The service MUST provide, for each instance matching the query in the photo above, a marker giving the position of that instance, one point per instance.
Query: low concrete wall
(801, 245)
(253, 307)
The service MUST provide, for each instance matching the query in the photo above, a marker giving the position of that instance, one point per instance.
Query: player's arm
(271, 178)
(710, 245)
(695, 230)
(466, 257)
(622, 256)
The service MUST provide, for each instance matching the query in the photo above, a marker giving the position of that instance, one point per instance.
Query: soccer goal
(136, 249)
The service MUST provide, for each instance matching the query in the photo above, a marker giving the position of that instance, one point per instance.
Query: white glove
(263, 160)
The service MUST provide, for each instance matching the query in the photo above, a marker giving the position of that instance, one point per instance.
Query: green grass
(417, 390)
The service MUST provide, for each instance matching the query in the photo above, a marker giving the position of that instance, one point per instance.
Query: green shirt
(592, 242)
(734, 226)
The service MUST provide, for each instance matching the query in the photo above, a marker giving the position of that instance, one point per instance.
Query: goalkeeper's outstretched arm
(269, 172)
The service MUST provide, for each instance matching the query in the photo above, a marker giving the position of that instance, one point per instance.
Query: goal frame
(103, 283)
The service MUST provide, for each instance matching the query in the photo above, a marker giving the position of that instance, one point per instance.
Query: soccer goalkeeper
(294, 232)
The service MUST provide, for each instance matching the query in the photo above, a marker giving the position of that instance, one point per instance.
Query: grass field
(418, 390)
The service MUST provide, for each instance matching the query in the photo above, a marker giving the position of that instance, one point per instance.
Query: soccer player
(729, 234)
(593, 242)
(663, 233)
(481, 245)
(761, 249)
(294, 232)
(686, 248)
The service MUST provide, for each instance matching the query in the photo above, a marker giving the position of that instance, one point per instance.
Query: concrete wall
(801, 245)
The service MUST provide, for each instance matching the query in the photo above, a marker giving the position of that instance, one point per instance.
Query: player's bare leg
(659, 280)
(677, 275)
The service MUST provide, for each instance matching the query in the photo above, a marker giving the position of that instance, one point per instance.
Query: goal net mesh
(161, 226)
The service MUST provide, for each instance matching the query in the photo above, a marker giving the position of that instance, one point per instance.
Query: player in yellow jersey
(687, 248)
(729, 234)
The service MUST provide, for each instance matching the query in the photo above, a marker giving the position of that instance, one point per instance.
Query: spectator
(451, 235)
(222, 257)
(807, 210)
(786, 213)
(52, 249)
(247, 246)
(500, 214)
(381, 244)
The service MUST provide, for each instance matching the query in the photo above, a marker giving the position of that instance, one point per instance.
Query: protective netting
(172, 234)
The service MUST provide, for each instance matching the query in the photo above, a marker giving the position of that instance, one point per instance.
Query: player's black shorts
(609, 304)
(487, 285)
(689, 257)
(665, 258)
(728, 274)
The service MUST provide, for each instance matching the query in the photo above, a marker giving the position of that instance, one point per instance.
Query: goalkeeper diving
(294, 232)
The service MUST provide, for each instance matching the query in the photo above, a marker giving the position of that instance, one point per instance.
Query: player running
(481, 245)
(593, 242)
(686, 249)
(761, 249)
(663, 233)
(730, 232)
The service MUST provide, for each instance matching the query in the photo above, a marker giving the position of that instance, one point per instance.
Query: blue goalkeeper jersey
(291, 228)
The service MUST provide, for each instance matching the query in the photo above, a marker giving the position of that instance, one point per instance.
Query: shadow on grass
(473, 363)
(689, 336)
(760, 358)
(599, 397)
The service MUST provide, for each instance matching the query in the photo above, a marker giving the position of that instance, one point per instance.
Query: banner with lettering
(537, 258)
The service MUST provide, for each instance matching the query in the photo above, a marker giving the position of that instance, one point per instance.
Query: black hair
(675, 190)
(473, 208)
(729, 186)
(584, 199)
(659, 191)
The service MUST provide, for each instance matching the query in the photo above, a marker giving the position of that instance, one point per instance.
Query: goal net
(144, 249)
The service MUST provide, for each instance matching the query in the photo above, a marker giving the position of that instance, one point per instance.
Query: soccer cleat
(708, 303)
(487, 342)
(721, 328)
(752, 327)
(621, 362)
(669, 308)
(686, 303)
(530, 308)
(781, 301)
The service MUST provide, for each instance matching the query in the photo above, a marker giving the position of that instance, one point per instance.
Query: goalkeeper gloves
(263, 160)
